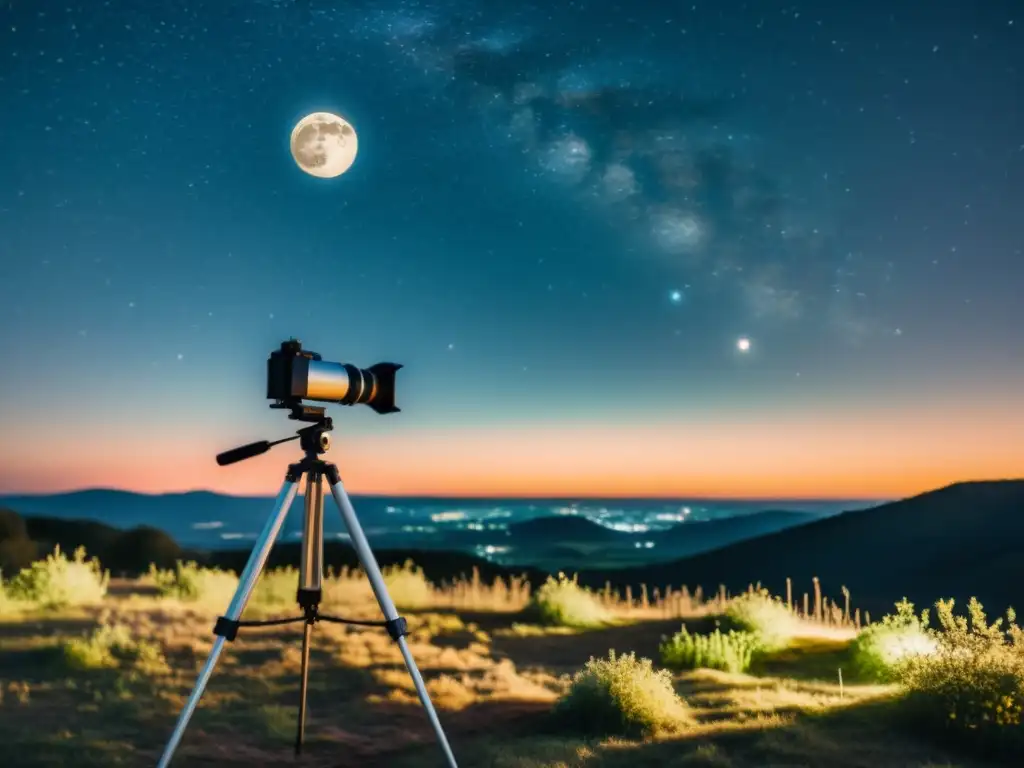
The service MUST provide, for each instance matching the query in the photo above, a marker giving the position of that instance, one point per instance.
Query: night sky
(562, 220)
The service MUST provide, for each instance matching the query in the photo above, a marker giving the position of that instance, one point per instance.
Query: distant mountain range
(124, 508)
(577, 540)
(555, 542)
(960, 541)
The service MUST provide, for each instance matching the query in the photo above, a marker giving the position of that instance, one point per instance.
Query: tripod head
(314, 439)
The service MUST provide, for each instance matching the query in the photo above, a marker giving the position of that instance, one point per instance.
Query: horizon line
(474, 497)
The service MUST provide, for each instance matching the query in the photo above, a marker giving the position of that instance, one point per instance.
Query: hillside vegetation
(95, 670)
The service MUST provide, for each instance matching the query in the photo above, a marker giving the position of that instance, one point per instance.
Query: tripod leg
(307, 630)
(396, 624)
(227, 626)
(310, 583)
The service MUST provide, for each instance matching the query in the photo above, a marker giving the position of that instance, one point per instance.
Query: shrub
(622, 695)
(408, 586)
(973, 685)
(112, 646)
(563, 602)
(764, 616)
(8, 606)
(58, 582)
(730, 652)
(880, 648)
(276, 588)
(209, 588)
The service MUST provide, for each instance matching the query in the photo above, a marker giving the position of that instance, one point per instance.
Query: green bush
(8, 605)
(563, 602)
(973, 685)
(730, 652)
(764, 616)
(622, 695)
(408, 586)
(112, 646)
(880, 648)
(276, 588)
(58, 582)
(209, 588)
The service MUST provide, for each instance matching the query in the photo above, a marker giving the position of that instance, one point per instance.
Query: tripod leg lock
(226, 628)
(397, 627)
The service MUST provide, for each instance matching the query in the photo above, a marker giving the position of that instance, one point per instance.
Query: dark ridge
(960, 541)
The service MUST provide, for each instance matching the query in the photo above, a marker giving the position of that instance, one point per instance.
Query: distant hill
(960, 541)
(121, 508)
(129, 552)
(556, 542)
(590, 540)
(24, 539)
(571, 542)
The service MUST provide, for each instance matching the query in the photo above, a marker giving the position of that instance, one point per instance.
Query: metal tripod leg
(246, 583)
(396, 625)
(311, 567)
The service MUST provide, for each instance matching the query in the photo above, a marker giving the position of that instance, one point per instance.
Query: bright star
(743, 344)
(676, 297)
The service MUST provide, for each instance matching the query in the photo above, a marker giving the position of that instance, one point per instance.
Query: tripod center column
(312, 561)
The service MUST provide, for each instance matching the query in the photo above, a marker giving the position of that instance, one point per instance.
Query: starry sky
(563, 219)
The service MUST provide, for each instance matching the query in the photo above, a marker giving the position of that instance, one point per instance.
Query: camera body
(295, 374)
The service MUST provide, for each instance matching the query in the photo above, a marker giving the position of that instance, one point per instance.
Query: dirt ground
(492, 680)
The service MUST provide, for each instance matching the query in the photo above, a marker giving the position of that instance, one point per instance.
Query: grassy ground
(493, 679)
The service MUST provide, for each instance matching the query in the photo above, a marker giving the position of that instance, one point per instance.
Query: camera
(295, 374)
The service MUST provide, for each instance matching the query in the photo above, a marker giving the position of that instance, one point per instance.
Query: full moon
(743, 344)
(324, 145)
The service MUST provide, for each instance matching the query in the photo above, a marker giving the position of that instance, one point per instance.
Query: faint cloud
(853, 326)
(767, 300)
(524, 93)
(568, 158)
(678, 231)
(618, 182)
(522, 126)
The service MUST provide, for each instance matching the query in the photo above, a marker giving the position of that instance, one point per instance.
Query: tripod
(314, 441)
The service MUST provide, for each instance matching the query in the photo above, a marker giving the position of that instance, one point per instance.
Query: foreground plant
(58, 582)
(973, 684)
(622, 695)
(880, 648)
(728, 652)
(408, 585)
(563, 602)
(210, 588)
(764, 616)
(112, 646)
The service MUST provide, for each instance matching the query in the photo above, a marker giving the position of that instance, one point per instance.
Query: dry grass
(493, 679)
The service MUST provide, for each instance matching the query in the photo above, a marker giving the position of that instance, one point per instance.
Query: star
(676, 297)
(743, 344)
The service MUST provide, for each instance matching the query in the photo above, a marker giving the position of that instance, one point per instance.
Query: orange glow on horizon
(853, 457)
